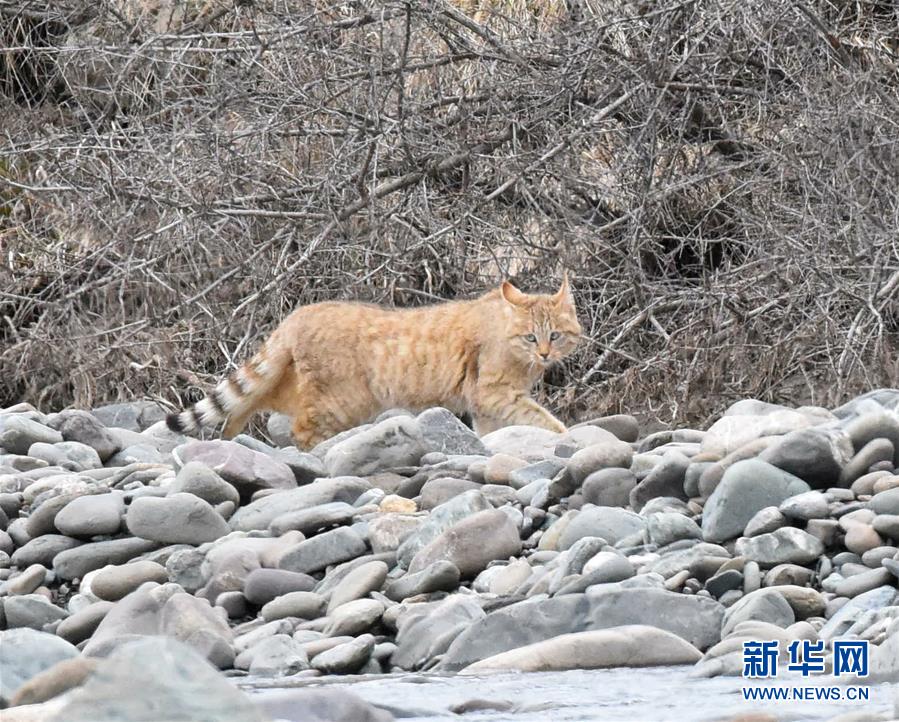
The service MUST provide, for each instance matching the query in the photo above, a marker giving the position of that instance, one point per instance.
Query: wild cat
(335, 365)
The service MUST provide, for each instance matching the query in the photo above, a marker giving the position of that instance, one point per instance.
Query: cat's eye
(554, 336)
(530, 338)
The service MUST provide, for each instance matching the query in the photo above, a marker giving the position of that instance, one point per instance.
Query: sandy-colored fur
(332, 366)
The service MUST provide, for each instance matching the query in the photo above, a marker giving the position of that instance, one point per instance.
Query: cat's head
(542, 329)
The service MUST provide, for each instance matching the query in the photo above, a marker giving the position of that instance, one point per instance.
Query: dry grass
(719, 176)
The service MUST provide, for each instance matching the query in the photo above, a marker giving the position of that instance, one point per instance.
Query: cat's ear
(563, 295)
(511, 294)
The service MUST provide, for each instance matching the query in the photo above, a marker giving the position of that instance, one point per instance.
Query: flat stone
(42, 550)
(665, 479)
(94, 515)
(358, 583)
(114, 582)
(441, 576)
(260, 513)
(783, 546)
(345, 658)
(175, 519)
(331, 547)
(25, 583)
(803, 507)
(84, 427)
(83, 623)
(765, 520)
(263, 585)
(609, 523)
(354, 617)
(304, 605)
(472, 543)
(75, 563)
(626, 646)
(886, 502)
(311, 520)
(524, 442)
(31, 610)
(18, 433)
(439, 520)
(666, 528)
(695, 619)
(763, 605)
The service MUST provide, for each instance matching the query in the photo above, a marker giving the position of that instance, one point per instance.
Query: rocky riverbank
(129, 553)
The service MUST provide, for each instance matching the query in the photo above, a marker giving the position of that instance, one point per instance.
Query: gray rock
(175, 519)
(627, 646)
(114, 582)
(782, 546)
(166, 610)
(607, 454)
(306, 468)
(665, 479)
(144, 453)
(867, 427)
(320, 551)
(803, 507)
(666, 528)
(83, 623)
(345, 658)
(198, 479)
(425, 631)
(18, 433)
(765, 520)
(546, 469)
(817, 456)
(42, 550)
(856, 608)
(279, 431)
(623, 426)
(78, 561)
(886, 502)
(358, 583)
(524, 442)
(693, 618)
(732, 431)
(245, 469)
(386, 532)
(864, 582)
(394, 442)
(442, 431)
(157, 679)
(724, 582)
(746, 487)
(315, 518)
(440, 519)
(25, 583)
(31, 610)
(263, 585)
(86, 428)
(441, 576)
(764, 605)
(354, 617)
(24, 654)
(68, 455)
(874, 452)
(303, 605)
(134, 416)
(93, 515)
(472, 543)
(260, 513)
(184, 568)
(609, 523)
(609, 487)
(440, 490)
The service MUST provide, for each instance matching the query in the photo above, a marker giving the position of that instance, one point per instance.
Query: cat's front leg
(495, 410)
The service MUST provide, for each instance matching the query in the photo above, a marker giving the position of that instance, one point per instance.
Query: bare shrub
(719, 176)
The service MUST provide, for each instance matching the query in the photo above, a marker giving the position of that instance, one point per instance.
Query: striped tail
(234, 398)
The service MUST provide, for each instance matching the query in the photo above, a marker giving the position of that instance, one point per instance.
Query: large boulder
(394, 442)
(695, 619)
(746, 487)
(25, 653)
(157, 679)
(629, 646)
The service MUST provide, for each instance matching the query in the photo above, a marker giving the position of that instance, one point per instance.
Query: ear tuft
(511, 294)
(564, 295)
